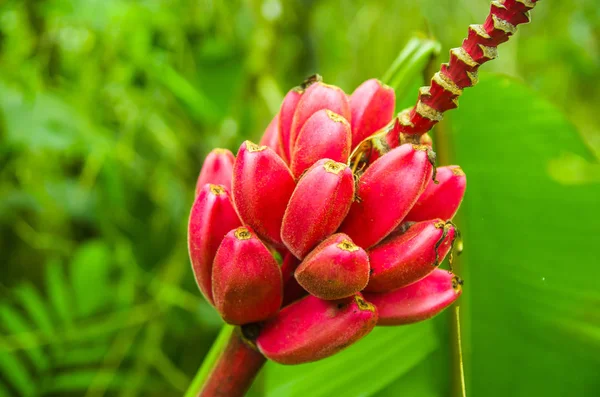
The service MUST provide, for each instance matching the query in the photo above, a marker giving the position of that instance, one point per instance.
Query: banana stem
(234, 370)
(209, 361)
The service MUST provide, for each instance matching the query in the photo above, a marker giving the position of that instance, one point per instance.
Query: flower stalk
(235, 369)
(461, 72)
(209, 361)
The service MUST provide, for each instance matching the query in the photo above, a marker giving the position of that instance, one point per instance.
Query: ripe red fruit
(443, 199)
(318, 206)
(324, 135)
(316, 97)
(286, 116)
(419, 301)
(372, 105)
(386, 193)
(311, 329)
(403, 258)
(211, 217)
(246, 279)
(262, 185)
(270, 137)
(216, 169)
(335, 269)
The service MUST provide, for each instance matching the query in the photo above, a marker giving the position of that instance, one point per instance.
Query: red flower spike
(216, 169)
(335, 269)
(262, 186)
(316, 97)
(443, 199)
(311, 329)
(286, 115)
(212, 216)
(246, 279)
(372, 105)
(460, 72)
(404, 258)
(318, 206)
(419, 301)
(271, 136)
(324, 135)
(386, 192)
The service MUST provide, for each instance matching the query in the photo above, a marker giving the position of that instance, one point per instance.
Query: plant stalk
(479, 47)
(234, 370)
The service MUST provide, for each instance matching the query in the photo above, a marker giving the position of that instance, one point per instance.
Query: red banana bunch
(361, 235)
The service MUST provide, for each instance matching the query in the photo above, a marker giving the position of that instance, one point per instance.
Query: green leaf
(3, 391)
(361, 370)
(531, 320)
(15, 323)
(80, 379)
(199, 104)
(85, 355)
(16, 373)
(34, 304)
(90, 271)
(424, 380)
(59, 292)
(38, 312)
(42, 122)
(410, 64)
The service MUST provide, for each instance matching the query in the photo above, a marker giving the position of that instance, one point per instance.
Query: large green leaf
(532, 299)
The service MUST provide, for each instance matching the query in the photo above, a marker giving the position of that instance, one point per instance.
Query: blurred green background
(108, 107)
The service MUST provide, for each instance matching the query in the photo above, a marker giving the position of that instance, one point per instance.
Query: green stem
(210, 361)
